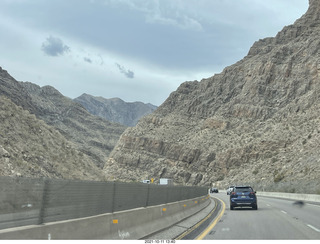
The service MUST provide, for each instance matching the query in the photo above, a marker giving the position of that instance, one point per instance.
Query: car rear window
(243, 189)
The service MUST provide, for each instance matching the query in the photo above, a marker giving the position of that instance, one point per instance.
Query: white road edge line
(284, 212)
(314, 228)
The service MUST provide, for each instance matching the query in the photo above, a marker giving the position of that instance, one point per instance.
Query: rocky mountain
(93, 136)
(12, 89)
(255, 123)
(29, 147)
(44, 133)
(115, 109)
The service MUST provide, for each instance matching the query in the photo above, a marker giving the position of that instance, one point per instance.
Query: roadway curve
(275, 219)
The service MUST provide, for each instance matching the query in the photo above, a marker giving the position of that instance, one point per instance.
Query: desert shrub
(255, 171)
(278, 177)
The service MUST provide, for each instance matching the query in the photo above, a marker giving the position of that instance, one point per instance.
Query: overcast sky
(137, 50)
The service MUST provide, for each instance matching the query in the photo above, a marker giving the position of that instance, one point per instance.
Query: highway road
(275, 219)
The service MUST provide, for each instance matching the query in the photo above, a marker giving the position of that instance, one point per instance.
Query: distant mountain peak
(115, 109)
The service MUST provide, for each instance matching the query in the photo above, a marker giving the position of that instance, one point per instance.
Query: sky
(136, 50)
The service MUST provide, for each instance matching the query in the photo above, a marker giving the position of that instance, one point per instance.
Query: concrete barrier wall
(129, 224)
(31, 201)
(293, 196)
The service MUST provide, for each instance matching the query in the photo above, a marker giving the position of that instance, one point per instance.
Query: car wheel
(255, 207)
(231, 208)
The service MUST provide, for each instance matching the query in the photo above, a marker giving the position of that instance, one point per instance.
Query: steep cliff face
(256, 122)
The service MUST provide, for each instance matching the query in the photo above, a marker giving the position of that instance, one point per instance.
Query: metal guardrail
(29, 201)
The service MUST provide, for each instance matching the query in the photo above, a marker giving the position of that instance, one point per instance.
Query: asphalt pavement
(275, 219)
(190, 228)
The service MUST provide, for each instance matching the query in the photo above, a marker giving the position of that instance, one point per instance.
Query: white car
(230, 189)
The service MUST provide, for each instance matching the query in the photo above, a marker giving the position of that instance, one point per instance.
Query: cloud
(128, 73)
(165, 12)
(101, 60)
(54, 46)
(88, 60)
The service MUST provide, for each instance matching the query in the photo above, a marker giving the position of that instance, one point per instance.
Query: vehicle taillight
(233, 194)
(252, 193)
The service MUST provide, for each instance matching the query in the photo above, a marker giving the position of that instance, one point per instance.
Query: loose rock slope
(31, 148)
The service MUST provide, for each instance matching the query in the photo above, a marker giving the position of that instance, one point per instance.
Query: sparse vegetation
(220, 177)
(278, 177)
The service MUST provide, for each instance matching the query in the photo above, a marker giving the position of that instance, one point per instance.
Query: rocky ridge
(94, 136)
(31, 148)
(115, 110)
(254, 123)
(44, 134)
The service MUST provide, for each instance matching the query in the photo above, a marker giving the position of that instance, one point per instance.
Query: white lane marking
(225, 229)
(268, 205)
(315, 205)
(314, 228)
(284, 212)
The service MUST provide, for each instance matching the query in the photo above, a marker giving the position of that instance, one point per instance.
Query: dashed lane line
(310, 226)
(314, 228)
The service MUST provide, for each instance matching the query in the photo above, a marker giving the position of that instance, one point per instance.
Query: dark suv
(212, 190)
(243, 196)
